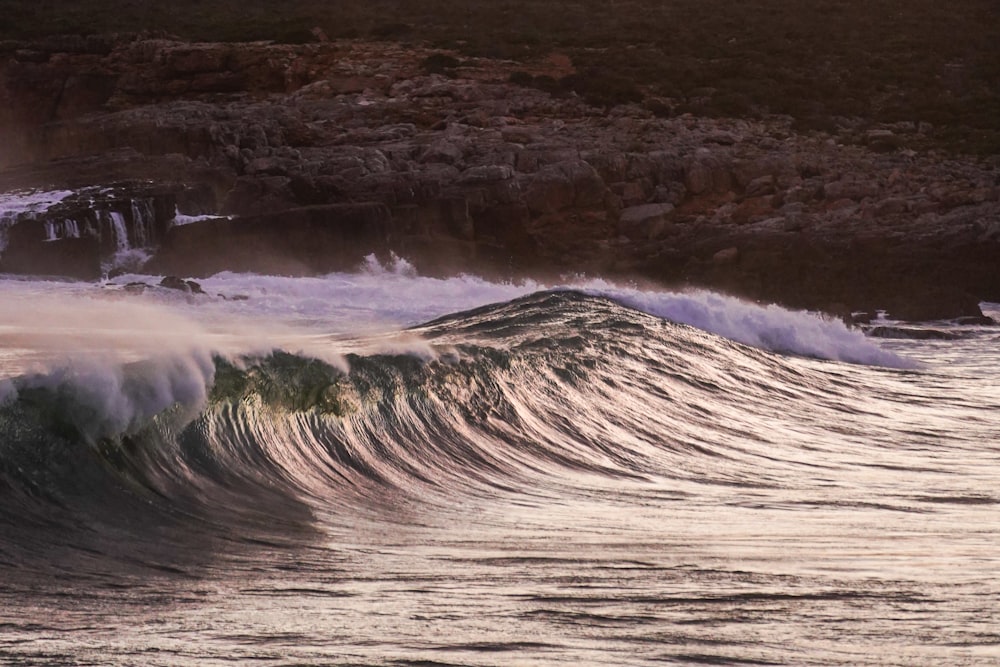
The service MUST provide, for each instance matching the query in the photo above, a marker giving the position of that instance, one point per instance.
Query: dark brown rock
(332, 150)
(644, 222)
(71, 258)
(940, 303)
(309, 240)
(179, 284)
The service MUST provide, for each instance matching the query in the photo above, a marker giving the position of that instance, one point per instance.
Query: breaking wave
(552, 383)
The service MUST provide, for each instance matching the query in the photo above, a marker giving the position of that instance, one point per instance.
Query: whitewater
(383, 468)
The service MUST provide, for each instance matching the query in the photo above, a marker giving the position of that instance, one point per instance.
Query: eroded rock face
(81, 234)
(70, 257)
(300, 241)
(324, 152)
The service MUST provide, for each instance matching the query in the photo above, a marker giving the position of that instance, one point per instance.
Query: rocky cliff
(320, 153)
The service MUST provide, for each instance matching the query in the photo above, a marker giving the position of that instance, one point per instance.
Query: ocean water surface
(379, 468)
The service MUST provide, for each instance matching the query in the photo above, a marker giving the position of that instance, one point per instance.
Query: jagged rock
(468, 169)
(726, 256)
(644, 222)
(563, 185)
(612, 167)
(753, 210)
(762, 185)
(804, 193)
(549, 190)
(774, 165)
(630, 193)
(851, 188)
(793, 222)
(908, 333)
(975, 320)
(589, 188)
(882, 140)
(73, 237)
(707, 173)
(486, 174)
(175, 283)
(508, 228)
(135, 288)
(940, 303)
(445, 150)
(891, 206)
(258, 194)
(314, 239)
(70, 257)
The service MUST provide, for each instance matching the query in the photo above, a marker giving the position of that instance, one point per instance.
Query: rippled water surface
(566, 477)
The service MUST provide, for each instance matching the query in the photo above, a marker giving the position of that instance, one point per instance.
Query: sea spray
(768, 327)
(100, 398)
(8, 392)
(323, 316)
(587, 475)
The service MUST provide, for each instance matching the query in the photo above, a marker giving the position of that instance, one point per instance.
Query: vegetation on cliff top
(819, 60)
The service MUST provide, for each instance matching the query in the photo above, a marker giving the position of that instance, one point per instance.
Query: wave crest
(768, 327)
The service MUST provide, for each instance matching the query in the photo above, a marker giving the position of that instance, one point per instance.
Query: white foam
(17, 204)
(23, 201)
(321, 316)
(377, 298)
(80, 338)
(130, 259)
(110, 399)
(64, 229)
(118, 230)
(8, 392)
(181, 219)
(123, 358)
(394, 295)
(768, 327)
(143, 217)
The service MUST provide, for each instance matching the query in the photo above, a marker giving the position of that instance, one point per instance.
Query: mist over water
(383, 468)
(250, 313)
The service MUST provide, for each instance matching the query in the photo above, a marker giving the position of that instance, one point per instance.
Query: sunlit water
(561, 478)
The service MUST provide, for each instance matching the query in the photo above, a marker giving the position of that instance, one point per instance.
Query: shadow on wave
(202, 453)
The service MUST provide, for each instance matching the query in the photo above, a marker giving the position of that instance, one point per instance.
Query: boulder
(891, 206)
(564, 185)
(187, 286)
(548, 190)
(851, 188)
(908, 333)
(726, 256)
(707, 173)
(753, 210)
(762, 185)
(297, 138)
(882, 140)
(645, 222)
(935, 303)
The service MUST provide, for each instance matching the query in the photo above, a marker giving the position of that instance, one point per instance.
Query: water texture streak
(381, 468)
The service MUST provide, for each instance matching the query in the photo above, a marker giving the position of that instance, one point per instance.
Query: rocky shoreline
(319, 154)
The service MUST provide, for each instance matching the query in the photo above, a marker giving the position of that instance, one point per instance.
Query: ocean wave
(554, 382)
(770, 327)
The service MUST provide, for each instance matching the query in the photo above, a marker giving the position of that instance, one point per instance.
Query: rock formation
(321, 153)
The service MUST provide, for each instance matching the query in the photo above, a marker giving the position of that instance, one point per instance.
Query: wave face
(575, 466)
(551, 381)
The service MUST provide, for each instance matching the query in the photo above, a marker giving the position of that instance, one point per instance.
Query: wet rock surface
(325, 152)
